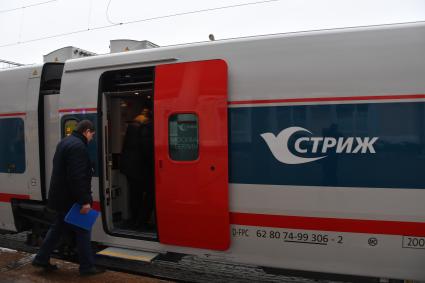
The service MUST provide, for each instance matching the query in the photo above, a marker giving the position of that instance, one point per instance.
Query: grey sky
(279, 16)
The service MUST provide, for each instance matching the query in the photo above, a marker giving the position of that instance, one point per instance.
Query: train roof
(22, 68)
(134, 57)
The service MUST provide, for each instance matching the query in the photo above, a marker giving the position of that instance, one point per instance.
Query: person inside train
(137, 165)
(70, 183)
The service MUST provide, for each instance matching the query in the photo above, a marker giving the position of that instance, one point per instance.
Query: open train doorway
(128, 145)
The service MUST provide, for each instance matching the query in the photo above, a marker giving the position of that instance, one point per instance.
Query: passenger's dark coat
(137, 153)
(72, 173)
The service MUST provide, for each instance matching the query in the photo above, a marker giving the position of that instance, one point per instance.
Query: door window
(183, 137)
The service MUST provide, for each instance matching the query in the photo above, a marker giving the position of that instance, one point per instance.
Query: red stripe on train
(7, 197)
(329, 99)
(330, 224)
(13, 114)
(96, 205)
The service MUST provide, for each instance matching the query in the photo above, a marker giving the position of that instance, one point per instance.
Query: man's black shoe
(46, 266)
(91, 271)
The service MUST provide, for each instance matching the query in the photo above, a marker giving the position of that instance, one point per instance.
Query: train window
(69, 123)
(12, 145)
(183, 137)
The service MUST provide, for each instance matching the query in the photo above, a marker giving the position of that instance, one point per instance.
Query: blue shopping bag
(84, 221)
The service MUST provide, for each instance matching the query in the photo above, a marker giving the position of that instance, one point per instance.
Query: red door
(191, 154)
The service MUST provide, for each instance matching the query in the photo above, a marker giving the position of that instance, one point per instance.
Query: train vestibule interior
(129, 193)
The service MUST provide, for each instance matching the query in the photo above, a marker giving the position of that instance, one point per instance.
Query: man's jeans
(53, 236)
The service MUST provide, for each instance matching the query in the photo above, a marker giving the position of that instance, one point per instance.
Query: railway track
(188, 268)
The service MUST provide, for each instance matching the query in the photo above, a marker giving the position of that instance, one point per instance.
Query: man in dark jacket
(70, 183)
(137, 166)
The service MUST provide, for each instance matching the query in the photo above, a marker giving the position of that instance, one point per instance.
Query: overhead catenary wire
(206, 10)
(200, 11)
(107, 13)
(28, 6)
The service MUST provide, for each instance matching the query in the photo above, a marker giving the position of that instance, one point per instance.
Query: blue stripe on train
(399, 161)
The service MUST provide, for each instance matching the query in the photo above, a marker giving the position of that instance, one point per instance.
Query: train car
(299, 151)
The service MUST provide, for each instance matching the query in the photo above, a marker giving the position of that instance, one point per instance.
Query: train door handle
(160, 164)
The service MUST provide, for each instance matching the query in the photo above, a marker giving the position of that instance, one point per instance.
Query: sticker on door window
(183, 138)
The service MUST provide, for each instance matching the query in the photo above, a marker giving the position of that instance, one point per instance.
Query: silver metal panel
(31, 138)
(348, 203)
(13, 91)
(51, 134)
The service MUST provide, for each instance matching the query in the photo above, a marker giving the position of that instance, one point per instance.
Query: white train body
(321, 147)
